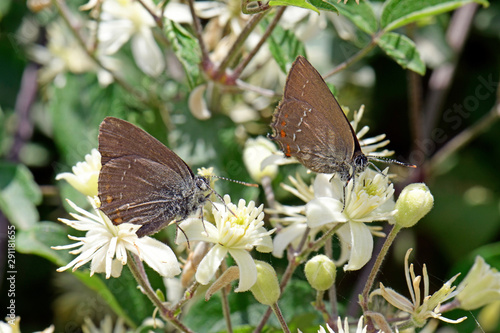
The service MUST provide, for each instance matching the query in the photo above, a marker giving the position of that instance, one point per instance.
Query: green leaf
(324, 5)
(19, 195)
(40, 237)
(76, 116)
(397, 13)
(403, 51)
(361, 15)
(295, 3)
(186, 49)
(285, 47)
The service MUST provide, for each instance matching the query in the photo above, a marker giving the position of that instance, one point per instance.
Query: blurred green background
(60, 126)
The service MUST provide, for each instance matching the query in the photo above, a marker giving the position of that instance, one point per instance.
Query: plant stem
(142, 279)
(279, 315)
(466, 136)
(294, 260)
(198, 32)
(376, 266)
(238, 43)
(65, 14)
(359, 55)
(188, 294)
(442, 77)
(237, 71)
(225, 309)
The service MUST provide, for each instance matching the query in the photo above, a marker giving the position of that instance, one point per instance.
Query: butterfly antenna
(187, 239)
(390, 161)
(223, 202)
(236, 181)
(375, 167)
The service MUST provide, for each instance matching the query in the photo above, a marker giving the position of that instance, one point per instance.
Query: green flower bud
(320, 272)
(414, 202)
(267, 289)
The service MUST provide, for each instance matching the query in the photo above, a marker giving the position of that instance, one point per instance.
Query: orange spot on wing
(118, 220)
(282, 133)
(288, 152)
(109, 199)
(283, 123)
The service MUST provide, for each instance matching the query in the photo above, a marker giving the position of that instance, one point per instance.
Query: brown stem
(237, 71)
(199, 35)
(65, 14)
(238, 44)
(441, 78)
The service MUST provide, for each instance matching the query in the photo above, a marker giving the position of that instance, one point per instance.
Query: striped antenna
(390, 161)
(235, 181)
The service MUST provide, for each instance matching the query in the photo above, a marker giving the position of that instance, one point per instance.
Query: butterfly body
(144, 182)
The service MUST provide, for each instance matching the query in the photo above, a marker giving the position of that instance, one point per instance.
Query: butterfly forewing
(142, 181)
(310, 125)
(118, 138)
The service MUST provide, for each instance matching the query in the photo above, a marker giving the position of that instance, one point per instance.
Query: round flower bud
(414, 202)
(320, 272)
(267, 289)
(255, 151)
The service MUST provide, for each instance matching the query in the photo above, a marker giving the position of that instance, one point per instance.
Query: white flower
(344, 328)
(106, 245)
(481, 286)
(236, 234)
(295, 221)
(64, 54)
(368, 198)
(11, 325)
(106, 326)
(255, 151)
(124, 20)
(422, 306)
(85, 174)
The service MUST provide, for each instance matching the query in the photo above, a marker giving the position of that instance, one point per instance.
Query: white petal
(362, 246)
(147, 54)
(196, 230)
(287, 236)
(344, 235)
(197, 103)
(321, 211)
(209, 264)
(265, 243)
(248, 271)
(113, 34)
(158, 256)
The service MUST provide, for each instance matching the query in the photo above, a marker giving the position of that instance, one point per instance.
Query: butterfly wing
(310, 125)
(141, 181)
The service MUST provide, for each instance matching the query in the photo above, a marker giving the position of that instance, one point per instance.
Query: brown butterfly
(144, 182)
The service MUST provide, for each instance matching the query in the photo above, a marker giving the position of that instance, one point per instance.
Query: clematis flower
(255, 151)
(481, 286)
(124, 20)
(12, 325)
(343, 328)
(85, 174)
(105, 245)
(422, 306)
(367, 199)
(64, 54)
(294, 221)
(106, 325)
(234, 234)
